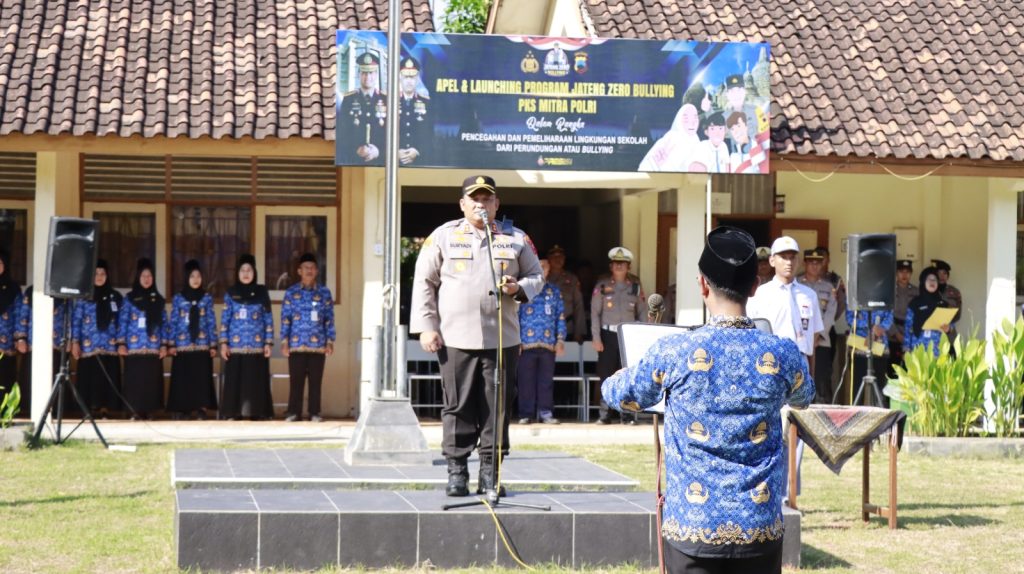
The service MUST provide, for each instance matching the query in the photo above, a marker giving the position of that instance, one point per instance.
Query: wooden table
(867, 508)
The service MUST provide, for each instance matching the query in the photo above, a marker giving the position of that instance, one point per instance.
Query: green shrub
(9, 406)
(946, 394)
(1007, 376)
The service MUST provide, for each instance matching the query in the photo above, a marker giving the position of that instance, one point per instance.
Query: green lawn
(78, 508)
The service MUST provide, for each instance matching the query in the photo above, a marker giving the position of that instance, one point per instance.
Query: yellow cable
(504, 540)
(853, 331)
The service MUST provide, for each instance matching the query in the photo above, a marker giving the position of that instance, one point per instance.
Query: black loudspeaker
(71, 258)
(871, 269)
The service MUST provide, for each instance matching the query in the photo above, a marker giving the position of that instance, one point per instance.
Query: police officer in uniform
(572, 295)
(617, 298)
(417, 121)
(454, 310)
(905, 291)
(765, 272)
(951, 295)
(814, 278)
(363, 115)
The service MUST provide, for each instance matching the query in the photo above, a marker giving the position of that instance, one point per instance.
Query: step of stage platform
(300, 508)
(325, 468)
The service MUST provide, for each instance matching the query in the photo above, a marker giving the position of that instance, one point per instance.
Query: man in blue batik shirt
(542, 334)
(724, 385)
(307, 337)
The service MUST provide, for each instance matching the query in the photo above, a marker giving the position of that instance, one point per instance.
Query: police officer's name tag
(243, 314)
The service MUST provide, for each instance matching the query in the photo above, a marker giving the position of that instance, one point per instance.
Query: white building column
(691, 211)
(371, 182)
(640, 235)
(1001, 267)
(57, 193)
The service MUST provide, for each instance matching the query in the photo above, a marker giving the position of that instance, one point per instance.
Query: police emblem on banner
(529, 65)
(579, 62)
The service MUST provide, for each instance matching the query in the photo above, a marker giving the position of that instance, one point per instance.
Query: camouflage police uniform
(611, 304)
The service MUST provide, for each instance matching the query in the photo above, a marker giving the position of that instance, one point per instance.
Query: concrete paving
(338, 431)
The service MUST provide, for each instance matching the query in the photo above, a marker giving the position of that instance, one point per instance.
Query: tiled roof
(179, 68)
(865, 78)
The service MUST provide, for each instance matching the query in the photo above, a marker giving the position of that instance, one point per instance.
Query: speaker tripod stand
(61, 382)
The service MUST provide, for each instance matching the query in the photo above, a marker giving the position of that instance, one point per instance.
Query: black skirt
(191, 382)
(25, 381)
(143, 383)
(96, 389)
(9, 374)
(246, 390)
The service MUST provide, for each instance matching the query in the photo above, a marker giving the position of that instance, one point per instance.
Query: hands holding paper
(940, 319)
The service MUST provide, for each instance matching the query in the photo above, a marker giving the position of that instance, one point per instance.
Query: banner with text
(530, 102)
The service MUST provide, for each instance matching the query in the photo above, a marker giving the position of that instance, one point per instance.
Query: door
(809, 233)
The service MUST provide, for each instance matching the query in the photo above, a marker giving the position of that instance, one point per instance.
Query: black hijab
(249, 293)
(925, 303)
(103, 297)
(193, 296)
(150, 301)
(9, 288)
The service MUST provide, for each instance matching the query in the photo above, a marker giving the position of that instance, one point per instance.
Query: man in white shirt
(790, 307)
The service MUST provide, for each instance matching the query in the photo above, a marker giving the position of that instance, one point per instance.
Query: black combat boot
(485, 481)
(458, 477)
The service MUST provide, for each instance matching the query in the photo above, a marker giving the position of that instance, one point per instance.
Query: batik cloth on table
(836, 433)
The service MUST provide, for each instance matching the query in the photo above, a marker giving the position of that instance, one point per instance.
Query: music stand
(60, 381)
(493, 495)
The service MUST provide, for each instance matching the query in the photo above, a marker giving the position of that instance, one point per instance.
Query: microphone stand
(492, 496)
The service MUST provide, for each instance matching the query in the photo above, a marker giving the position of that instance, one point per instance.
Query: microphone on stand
(482, 214)
(655, 307)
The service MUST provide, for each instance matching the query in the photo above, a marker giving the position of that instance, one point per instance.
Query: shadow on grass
(75, 498)
(957, 520)
(812, 558)
(961, 506)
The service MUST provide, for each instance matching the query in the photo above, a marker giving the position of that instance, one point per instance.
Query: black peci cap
(729, 259)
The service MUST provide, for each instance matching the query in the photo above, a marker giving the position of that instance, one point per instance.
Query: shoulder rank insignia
(767, 365)
(697, 432)
(700, 361)
(697, 494)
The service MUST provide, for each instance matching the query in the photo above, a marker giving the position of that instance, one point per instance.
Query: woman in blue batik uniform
(10, 293)
(246, 334)
(143, 340)
(920, 309)
(23, 338)
(94, 344)
(193, 331)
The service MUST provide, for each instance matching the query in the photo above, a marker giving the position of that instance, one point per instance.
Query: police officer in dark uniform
(950, 294)
(572, 295)
(905, 291)
(617, 298)
(363, 115)
(417, 119)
